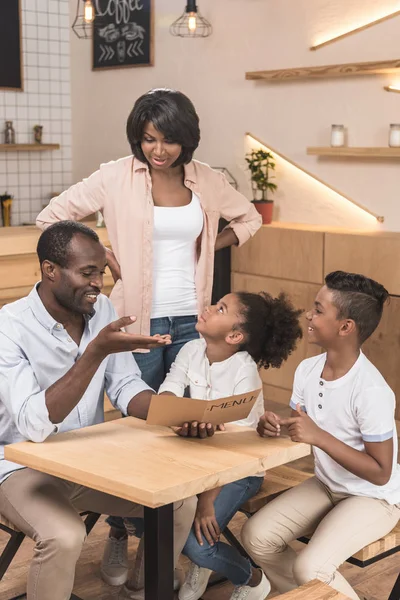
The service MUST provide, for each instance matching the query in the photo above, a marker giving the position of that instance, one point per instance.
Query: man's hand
(205, 522)
(196, 430)
(113, 265)
(111, 339)
(302, 428)
(269, 425)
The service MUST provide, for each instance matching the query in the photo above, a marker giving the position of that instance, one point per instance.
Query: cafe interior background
(84, 110)
(314, 82)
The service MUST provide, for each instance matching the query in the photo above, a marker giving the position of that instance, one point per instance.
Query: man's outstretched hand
(111, 339)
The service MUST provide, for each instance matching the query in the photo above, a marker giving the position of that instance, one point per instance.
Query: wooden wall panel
(302, 296)
(282, 253)
(376, 256)
(383, 347)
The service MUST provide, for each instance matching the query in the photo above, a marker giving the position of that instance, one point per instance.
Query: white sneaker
(128, 594)
(245, 592)
(195, 583)
(114, 564)
(138, 594)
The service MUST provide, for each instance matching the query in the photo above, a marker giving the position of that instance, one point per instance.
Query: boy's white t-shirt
(235, 375)
(356, 408)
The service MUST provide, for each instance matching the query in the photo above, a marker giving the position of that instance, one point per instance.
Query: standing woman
(161, 209)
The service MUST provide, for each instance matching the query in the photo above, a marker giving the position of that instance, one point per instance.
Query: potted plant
(260, 163)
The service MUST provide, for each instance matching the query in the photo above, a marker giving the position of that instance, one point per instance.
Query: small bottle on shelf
(9, 133)
(337, 136)
(394, 135)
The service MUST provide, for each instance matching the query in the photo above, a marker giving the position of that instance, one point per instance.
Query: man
(59, 348)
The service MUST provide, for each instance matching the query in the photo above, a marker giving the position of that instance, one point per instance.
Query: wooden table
(154, 467)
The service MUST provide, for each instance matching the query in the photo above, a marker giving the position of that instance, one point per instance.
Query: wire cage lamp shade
(84, 17)
(191, 24)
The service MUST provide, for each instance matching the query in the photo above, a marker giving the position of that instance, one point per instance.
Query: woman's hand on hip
(113, 265)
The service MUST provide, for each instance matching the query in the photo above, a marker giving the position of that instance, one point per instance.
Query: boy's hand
(269, 425)
(205, 522)
(302, 428)
(196, 430)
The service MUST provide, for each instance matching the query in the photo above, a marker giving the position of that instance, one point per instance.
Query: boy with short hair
(343, 407)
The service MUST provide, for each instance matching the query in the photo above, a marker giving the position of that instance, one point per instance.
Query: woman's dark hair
(173, 114)
(54, 242)
(271, 327)
(358, 298)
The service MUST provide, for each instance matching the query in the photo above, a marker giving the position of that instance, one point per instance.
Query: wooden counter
(295, 258)
(19, 265)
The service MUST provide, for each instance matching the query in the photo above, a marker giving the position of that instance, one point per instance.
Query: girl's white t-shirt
(235, 375)
(356, 408)
(175, 234)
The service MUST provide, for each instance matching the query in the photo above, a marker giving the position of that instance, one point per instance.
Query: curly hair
(173, 114)
(358, 298)
(271, 327)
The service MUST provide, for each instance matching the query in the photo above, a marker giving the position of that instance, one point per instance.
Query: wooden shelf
(377, 152)
(346, 70)
(28, 147)
(253, 138)
(392, 88)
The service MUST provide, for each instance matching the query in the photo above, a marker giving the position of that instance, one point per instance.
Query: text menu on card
(170, 410)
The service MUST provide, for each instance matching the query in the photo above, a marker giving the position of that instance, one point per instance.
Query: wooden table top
(152, 465)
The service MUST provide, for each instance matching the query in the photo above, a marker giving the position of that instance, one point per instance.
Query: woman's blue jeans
(155, 365)
(221, 557)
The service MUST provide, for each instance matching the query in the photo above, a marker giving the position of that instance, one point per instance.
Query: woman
(161, 210)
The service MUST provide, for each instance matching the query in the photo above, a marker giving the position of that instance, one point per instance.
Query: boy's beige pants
(342, 526)
(47, 510)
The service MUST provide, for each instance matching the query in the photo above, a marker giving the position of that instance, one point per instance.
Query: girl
(242, 333)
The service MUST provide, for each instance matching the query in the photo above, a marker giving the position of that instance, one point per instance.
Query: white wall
(255, 35)
(31, 177)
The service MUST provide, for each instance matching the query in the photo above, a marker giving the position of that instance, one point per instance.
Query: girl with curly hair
(240, 334)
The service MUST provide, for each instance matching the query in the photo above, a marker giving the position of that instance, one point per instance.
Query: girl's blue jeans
(222, 557)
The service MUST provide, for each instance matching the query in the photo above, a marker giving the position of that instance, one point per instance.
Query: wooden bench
(313, 590)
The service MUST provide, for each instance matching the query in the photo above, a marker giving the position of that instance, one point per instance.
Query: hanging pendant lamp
(191, 24)
(84, 17)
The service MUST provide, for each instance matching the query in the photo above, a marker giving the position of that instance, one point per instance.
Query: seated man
(59, 348)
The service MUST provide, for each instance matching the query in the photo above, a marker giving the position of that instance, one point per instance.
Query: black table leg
(158, 553)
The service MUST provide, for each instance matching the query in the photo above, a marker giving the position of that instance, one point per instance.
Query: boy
(343, 407)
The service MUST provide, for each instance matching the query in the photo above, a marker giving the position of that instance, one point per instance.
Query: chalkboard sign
(122, 34)
(10, 45)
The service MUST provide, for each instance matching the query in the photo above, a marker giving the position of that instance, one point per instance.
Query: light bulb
(89, 11)
(192, 23)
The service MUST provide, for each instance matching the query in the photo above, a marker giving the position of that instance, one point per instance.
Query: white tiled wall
(46, 100)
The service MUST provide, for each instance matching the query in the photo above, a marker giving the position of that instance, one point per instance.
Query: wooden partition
(295, 259)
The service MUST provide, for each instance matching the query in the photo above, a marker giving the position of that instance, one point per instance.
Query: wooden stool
(313, 590)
